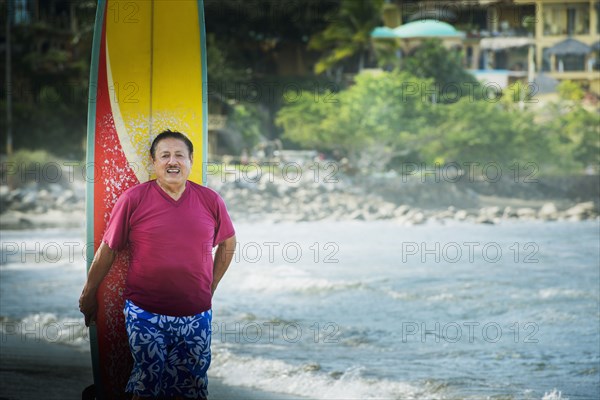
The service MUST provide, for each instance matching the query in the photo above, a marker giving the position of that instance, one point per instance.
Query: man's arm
(223, 258)
(88, 304)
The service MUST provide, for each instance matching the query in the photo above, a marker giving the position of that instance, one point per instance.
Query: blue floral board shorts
(171, 355)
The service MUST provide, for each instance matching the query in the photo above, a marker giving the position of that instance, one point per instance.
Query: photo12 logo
(471, 252)
(471, 171)
(273, 332)
(49, 331)
(468, 331)
(283, 252)
(288, 171)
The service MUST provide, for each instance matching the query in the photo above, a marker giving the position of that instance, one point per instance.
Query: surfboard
(148, 74)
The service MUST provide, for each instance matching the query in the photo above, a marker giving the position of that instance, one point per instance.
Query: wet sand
(32, 370)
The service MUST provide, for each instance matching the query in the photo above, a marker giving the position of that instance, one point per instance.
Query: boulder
(483, 219)
(526, 213)
(548, 212)
(401, 210)
(461, 215)
(417, 218)
(581, 211)
(509, 212)
(27, 202)
(490, 212)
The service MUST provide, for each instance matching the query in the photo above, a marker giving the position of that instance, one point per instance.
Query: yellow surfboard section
(157, 81)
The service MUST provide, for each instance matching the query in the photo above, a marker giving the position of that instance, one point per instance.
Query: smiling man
(171, 226)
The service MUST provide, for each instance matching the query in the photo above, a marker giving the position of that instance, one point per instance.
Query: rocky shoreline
(42, 206)
(271, 198)
(277, 201)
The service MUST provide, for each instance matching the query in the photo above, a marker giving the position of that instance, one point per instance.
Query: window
(570, 63)
(545, 60)
(578, 19)
(21, 12)
(597, 7)
(555, 20)
(573, 19)
(570, 21)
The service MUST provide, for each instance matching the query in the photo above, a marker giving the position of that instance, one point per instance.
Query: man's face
(172, 161)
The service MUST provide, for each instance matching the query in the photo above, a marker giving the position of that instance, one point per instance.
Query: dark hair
(172, 135)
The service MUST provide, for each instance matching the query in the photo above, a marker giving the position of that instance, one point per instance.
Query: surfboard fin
(89, 393)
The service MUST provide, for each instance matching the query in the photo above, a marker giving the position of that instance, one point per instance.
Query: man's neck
(175, 191)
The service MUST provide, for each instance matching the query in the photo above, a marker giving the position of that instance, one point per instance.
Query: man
(171, 225)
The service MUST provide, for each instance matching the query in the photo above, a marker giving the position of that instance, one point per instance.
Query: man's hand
(223, 257)
(88, 304)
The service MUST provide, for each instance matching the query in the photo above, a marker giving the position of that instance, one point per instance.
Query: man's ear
(150, 168)
(191, 158)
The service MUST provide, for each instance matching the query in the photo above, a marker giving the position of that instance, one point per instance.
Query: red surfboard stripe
(112, 176)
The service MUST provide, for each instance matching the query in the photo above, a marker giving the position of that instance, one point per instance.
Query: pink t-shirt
(171, 241)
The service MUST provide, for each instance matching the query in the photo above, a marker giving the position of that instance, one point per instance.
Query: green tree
(575, 138)
(387, 54)
(431, 60)
(247, 119)
(348, 35)
(254, 32)
(518, 95)
(50, 71)
(481, 132)
(220, 67)
(371, 122)
(572, 131)
(391, 116)
(570, 91)
(303, 115)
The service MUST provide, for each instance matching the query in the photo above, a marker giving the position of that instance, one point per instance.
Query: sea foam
(308, 379)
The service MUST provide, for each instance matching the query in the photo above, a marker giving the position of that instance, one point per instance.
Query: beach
(389, 289)
(345, 310)
(32, 369)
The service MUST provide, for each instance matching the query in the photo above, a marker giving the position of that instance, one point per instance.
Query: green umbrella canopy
(383, 32)
(418, 29)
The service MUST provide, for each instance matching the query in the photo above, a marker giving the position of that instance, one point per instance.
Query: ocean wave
(408, 296)
(442, 297)
(554, 395)
(309, 380)
(400, 295)
(46, 327)
(553, 293)
(287, 279)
